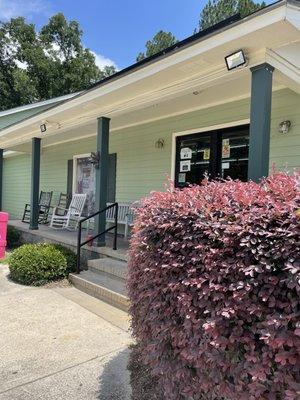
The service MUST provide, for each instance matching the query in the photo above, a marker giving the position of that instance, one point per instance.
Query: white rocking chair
(68, 218)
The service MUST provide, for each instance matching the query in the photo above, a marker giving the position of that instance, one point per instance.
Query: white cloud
(102, 61)
(22, 8)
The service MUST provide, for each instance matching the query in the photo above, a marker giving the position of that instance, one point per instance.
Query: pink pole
(3, 233)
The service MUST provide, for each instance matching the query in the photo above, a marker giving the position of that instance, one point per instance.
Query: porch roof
(188, 76)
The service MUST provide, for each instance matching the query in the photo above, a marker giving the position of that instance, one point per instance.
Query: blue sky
(115, 30)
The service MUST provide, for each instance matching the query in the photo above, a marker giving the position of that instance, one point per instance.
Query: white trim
(37, 104)
(290, 71)
(75, 158)
(155, 119)
(200, 130)
(292, 14)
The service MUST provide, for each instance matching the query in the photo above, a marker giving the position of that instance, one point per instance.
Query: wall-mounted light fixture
(95, 159)
(43, 128)
(235, 60)
(160, 144)
(284, 127)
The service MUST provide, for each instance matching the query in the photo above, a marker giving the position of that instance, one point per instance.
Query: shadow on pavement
(115, 379)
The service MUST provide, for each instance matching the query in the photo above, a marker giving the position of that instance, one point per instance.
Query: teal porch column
(35, 183)
(101, 177)
(260, 121)
(1, 177)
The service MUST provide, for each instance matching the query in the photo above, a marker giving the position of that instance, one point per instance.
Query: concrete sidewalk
(59, 343)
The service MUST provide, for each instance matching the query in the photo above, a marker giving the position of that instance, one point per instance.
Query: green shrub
(13, 237)
(70, 257)
(37, 264)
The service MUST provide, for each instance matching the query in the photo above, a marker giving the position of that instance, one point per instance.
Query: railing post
(78, 248)
(116, 226)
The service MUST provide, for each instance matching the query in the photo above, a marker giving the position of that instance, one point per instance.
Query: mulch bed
(144, 387)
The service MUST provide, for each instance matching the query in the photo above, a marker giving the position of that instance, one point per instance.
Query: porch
(69, 239)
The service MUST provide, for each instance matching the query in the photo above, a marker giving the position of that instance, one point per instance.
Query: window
(221, 153)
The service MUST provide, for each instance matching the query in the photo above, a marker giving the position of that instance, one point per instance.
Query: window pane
(235, 155)
(193, 159)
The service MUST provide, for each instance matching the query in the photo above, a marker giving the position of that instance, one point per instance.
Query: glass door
(221, 153)
(193, 159)
(235, 154)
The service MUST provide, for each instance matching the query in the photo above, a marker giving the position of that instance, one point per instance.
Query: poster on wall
(206, 154)
(85, 182)
(185, 166)
(186, 153)
(225, 148)
(181, 178)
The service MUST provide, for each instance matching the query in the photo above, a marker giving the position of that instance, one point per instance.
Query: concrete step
(102, 286)
(109, 266)
(109, 252)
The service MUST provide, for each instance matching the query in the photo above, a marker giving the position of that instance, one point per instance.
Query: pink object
(3, 232)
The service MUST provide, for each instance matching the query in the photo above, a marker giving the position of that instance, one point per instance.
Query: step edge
(98, 270)
(103, 260)
(81, 279)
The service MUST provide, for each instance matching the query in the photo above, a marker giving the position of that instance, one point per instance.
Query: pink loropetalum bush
(214, 281)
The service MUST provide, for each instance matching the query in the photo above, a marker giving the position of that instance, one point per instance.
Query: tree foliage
(159, 42)
(36, 66)
(218, 10)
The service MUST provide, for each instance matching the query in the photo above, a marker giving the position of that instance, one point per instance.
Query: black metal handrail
(115, 227)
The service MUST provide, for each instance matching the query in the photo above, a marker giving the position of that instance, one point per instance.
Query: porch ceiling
(200, 98)
(166, 86)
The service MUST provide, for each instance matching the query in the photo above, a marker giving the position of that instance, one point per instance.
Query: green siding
(16, 184)
(141, 167)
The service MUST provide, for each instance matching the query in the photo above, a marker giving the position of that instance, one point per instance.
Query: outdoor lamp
(235, 60)
(284, 127)
(43, 128)
(159, 144)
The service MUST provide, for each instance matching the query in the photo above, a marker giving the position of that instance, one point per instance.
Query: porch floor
(70, 238)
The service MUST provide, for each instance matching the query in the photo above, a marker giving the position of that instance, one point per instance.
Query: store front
(221, 153)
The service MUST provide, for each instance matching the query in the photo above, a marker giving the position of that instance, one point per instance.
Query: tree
(159, 42)
(218, 10)
(37, 66)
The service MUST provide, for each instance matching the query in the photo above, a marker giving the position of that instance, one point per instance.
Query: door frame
(195, 131)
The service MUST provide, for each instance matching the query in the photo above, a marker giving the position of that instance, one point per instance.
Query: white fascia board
(289, 70)
(11, 153)
(37, 104)
(232, 32)
(293, 14)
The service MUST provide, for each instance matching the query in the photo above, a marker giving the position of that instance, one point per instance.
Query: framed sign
(186, 153)
(181, 177)
(206, 154)
(225, 148)
(185, 166)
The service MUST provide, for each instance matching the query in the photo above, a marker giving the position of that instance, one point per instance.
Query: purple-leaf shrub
(214, 282)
